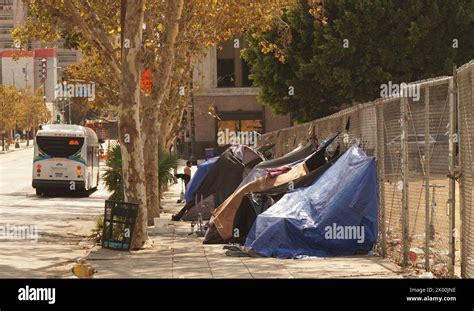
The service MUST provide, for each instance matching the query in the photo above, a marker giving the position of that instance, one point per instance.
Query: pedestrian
(186, 176)
(187, 172)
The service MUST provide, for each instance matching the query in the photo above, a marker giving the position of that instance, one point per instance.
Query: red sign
(146, 81)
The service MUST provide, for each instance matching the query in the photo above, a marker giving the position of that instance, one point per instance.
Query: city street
(62, 222)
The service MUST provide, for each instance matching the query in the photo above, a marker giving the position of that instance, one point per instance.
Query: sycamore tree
(32, 111)
(129, 37)
(9, 98)
(21, 109)
(91, 70)
(95, 25)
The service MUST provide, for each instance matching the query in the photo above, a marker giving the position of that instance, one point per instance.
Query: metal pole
(26, 75)
(404, 172)
(69, 106)
(427, 178)
(381, 173)
(192, 157)
(452, 181)
(461, 181)
(44, 91)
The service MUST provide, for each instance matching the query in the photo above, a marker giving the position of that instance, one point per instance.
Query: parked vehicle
(66, 158)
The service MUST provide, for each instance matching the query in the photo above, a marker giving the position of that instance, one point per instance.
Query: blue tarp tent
(336, 215)
(202, 170)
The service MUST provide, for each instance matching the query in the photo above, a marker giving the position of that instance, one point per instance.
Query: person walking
(186, 177)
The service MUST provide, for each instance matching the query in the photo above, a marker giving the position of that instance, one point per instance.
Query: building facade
(225, 102)
(19, 65)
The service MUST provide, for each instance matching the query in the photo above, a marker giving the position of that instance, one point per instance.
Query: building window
(225, 73)
(246, 82)
(226, 65)
(232, 70)
(6, 29)
(243, 124)
(6, 15)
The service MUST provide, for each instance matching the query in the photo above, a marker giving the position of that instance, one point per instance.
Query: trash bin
(209, 153)
(119, 222)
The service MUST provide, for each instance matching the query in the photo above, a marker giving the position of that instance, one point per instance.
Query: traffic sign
(43, 68)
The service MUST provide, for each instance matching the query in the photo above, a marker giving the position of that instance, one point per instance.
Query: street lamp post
(44, 79)
(44, 85)
(25, 72)
(13, 76)
(192, 157)
(69, 100)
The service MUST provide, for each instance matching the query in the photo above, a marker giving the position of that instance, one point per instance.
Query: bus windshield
(59, 147)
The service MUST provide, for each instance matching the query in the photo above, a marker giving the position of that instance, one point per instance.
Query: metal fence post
(465, 89)
(427, 177)
(405, 172)
(381, 174)
(452, 181)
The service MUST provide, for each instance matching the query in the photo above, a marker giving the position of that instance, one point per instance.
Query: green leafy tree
(166, 162)
(282, 68)
(113, 174)
(361, 45)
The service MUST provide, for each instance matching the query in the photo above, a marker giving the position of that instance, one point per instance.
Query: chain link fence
(465, 93)
(420, 194)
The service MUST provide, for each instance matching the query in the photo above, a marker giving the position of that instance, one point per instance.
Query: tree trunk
(152, 104)
(150, 154)
(162, 138)
(129, 120)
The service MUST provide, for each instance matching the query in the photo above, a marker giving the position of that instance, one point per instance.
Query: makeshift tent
(204, 207)
(256, 173)
(221, 226)
(265, 149)
(292, 158)
(255, 203)
(201, 172)
(223, 177)
(336, 215)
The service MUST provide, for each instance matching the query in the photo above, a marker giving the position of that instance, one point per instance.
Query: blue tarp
(202, 170)
(335, 216)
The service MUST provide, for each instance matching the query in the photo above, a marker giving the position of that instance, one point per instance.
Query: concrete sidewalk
(180, 255)
(12, 146)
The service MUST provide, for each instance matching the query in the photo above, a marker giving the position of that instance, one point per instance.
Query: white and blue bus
(66, 158)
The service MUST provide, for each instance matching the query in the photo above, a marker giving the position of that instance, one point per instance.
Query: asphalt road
(57, 227)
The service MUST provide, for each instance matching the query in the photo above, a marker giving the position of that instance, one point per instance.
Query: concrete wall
(13, 70)
(13, 75)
